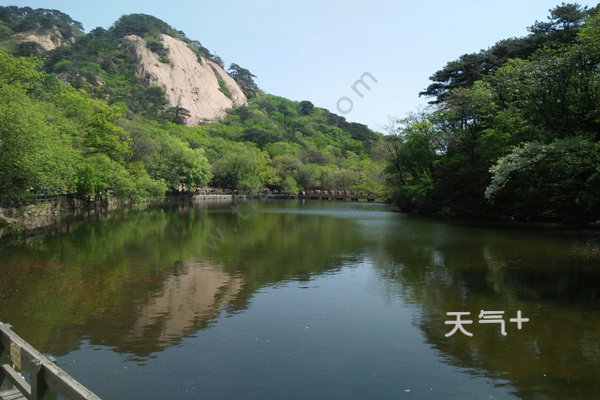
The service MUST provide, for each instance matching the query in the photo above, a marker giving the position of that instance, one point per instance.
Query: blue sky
(316, 49)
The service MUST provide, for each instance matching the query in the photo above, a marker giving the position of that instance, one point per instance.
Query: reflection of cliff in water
(129, 281)
(552, 277)
(188, 302)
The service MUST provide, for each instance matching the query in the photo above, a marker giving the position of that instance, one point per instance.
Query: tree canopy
(520, 140)
(107, 130)
(564, 23)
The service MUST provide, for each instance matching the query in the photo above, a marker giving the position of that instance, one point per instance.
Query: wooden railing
(319, 196)
(44, 373)
(46, 198)
(33, 199)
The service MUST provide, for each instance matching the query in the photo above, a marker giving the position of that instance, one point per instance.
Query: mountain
(154, 54)
(140, 108)
(194, 83)
(27, 30)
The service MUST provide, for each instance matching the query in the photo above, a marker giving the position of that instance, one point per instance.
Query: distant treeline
(512, 131)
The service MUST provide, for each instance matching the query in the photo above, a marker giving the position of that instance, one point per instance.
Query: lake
(307, 300)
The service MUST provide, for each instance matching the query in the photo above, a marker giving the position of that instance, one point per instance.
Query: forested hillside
(78, 117)
(514, 130)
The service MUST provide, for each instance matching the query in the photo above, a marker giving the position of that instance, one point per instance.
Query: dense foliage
(83, 122)
(26, 19)
(270, 144)
(520, 140)
(564, 23)
(55, 138)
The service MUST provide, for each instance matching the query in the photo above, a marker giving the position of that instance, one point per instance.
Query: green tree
(244, 78)
(305, 107)
(96, 121)
(175, 162)
(34, 151)
(290, 185)
(21, 72)
(239, 167)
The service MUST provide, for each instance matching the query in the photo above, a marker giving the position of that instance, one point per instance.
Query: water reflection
(132, 283)
(133, 280)
(188, 301)
(551, 276)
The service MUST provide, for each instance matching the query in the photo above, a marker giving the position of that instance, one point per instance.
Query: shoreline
(26, 220)
(503, 221)
(32, 217)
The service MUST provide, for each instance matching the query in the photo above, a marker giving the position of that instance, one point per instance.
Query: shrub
(224, 88)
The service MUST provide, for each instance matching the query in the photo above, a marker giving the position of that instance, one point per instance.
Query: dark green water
(307, 300)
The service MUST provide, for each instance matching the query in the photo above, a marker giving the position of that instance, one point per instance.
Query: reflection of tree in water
(131, 281)
(552, 278)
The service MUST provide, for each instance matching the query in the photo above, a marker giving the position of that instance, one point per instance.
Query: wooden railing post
(45, 374)
(2, 349)
(38, 385)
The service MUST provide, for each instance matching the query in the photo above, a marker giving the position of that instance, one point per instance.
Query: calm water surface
(307, 300)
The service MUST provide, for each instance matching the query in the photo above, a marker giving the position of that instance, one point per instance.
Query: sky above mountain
(316, 49)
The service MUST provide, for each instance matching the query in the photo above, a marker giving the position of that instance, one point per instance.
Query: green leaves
(95, 174)
(108, 130)
(175, 163)
(510, 135)
(96, 121)
(34, 151)
(565, 22)
(243, 77)
(290, 185)
(567, 158)
(240, 166)
(55, 138)
(141, 25)
(19, 72)
(305, 107)
(223, 88)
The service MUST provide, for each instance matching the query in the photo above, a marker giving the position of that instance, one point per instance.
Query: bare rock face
(187, 82)
(48, 41)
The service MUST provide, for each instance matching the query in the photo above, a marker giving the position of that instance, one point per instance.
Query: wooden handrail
(17, 380)
(44, 373)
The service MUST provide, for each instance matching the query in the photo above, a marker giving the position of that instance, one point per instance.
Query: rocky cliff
(188, 82)
(48, 41)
